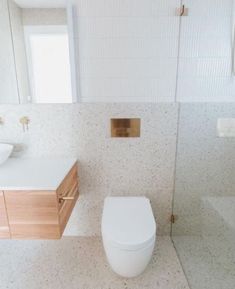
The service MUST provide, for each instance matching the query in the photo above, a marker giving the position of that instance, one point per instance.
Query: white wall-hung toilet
(129, 234)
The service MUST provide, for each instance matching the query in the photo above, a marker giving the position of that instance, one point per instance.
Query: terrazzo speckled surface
(136, 166)
(204, 199)
(205, 165)
(202, 266)
(79, 263)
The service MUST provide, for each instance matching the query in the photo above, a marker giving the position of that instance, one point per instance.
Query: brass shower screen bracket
(182, 11)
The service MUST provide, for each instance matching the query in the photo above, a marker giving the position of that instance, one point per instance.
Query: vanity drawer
(67, 207)
(67, 194)
(32, 214)
(4, 226)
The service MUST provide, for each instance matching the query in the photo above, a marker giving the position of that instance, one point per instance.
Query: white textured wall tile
(204, 68)
(209, 7)
(189, 47)
(128, 27)
(114, 8)
(132, 68)
(205, 167)
(204, 27)
(208, 89)
(117, 88)
(214, 47)
(136, 39)
(119, 27)
(165, 8)
(205, 73)
(125, 41)
(127, 48)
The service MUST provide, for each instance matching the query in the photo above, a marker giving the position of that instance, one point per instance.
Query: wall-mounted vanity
(37, 63)
(37, 197)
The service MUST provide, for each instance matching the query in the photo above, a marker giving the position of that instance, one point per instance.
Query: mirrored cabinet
(36, 53)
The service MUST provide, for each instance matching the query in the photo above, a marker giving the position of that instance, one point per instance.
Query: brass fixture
(66, 199)
(125, 127)
(25, 122)
(182, 11)
(174, 218)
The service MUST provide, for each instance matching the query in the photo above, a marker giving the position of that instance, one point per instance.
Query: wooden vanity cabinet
(42, 214)
(4, 227)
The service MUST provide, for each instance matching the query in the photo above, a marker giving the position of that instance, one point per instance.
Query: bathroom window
(48, 64)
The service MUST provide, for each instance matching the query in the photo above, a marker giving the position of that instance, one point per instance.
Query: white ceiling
(41, 3)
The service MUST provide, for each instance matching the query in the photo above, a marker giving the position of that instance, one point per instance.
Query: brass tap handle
(25, 122)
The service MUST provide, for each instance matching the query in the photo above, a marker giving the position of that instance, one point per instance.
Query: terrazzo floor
(79, 263)
(202, 266)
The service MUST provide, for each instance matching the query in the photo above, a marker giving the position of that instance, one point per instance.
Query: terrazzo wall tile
(142, 166)
(204, 73)
(136, 166)
(205, 164)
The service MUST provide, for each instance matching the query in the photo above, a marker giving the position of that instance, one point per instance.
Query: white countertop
(34, 174)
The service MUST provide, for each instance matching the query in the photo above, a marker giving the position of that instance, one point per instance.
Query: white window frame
(71, 26)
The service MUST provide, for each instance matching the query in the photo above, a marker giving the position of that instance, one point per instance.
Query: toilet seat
(128, 223)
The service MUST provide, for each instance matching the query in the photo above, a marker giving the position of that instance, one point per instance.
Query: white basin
(5, 152)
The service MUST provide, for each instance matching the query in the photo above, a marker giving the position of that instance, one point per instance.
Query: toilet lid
(128, 222)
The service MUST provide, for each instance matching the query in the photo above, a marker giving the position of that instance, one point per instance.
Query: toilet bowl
(129, 234)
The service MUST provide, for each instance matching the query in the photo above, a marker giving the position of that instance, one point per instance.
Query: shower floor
(203, 268)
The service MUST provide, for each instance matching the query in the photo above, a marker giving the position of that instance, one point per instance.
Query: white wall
(48, 16)
(127, 50)
(205, 52)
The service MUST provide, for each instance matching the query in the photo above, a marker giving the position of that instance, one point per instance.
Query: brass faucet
(25, 122)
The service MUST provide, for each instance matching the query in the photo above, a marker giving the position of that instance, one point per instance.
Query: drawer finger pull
(66, 199)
